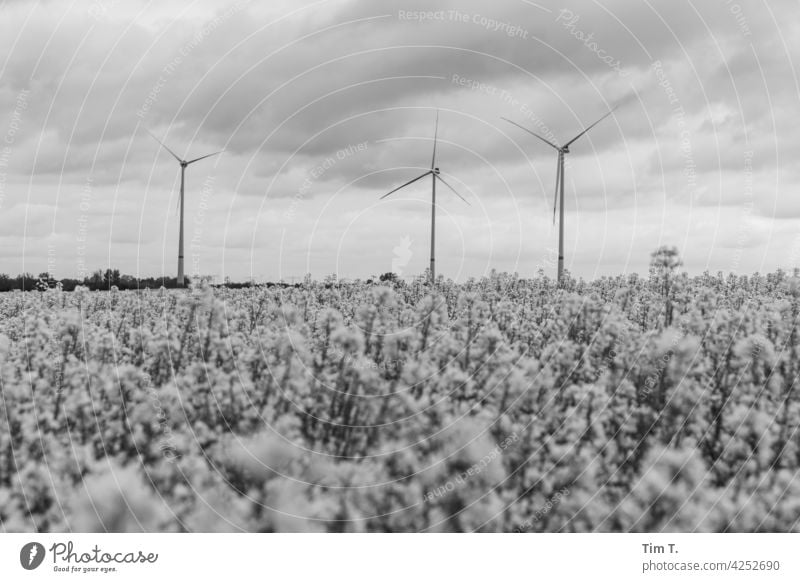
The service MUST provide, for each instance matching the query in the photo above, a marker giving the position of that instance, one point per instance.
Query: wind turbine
(183, 164)
(559, 194)
(434, 173)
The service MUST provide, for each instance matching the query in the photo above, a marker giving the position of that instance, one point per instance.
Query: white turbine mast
(559, 194)
(183, 164)
(435, 175)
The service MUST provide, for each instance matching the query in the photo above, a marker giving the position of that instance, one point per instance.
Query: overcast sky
(322, 107)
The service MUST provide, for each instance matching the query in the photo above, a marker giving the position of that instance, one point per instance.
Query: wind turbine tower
(559, 194)
(435, 174)
(184, 164)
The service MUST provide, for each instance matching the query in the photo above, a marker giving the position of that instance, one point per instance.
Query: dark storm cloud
(281, 85)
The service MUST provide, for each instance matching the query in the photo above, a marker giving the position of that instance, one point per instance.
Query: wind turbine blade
(453, 189)
(435, 135)
(174, 155)
(558, 182)
(552, 145)
(204, 157)
(407, 184)
(591, 126)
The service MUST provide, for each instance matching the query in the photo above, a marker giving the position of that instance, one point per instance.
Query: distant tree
(111, 277)
(127, 282)
(70, 284)
(95, 282)
(390, 277)
(664, 264)
(26, 281)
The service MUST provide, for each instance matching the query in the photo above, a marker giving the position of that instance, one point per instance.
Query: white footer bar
(400, 557)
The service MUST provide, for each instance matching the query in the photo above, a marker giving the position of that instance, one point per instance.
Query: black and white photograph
(276, 270)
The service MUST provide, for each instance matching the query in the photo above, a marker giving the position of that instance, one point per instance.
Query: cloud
(291, 90)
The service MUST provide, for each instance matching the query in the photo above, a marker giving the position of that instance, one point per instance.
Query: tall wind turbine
(559, 195)
(434, 174)
(183, 164)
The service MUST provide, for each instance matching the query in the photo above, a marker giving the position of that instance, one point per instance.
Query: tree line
(104, 280)
(98, 280)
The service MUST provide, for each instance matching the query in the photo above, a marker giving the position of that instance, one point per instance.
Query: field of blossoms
(646, 404)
